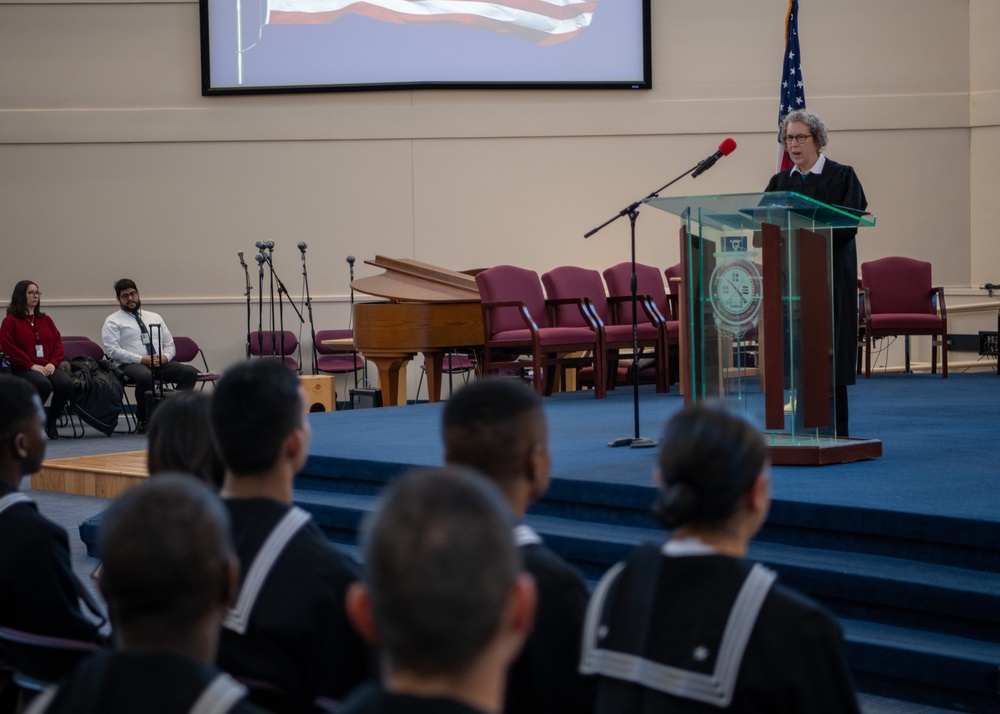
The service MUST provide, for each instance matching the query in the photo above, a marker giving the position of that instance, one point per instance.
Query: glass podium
(757, 316)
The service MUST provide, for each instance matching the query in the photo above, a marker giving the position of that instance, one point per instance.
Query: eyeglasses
(797, 138)
(128, 295)
(35, 292)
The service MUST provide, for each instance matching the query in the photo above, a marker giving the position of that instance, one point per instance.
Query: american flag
(793, 93)
(544, 22)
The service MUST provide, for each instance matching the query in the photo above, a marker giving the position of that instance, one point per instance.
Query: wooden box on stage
(321, 396)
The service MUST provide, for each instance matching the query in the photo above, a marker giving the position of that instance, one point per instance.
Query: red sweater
(17, 341)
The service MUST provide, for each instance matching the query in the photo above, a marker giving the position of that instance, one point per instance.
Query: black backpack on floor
(97, 393)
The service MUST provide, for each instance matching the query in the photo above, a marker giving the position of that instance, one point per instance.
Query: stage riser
(596, 537)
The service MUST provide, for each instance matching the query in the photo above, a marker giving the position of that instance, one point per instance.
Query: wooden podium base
(820, 451)
(319, 392)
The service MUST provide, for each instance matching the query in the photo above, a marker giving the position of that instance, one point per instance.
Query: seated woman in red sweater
(34, 349)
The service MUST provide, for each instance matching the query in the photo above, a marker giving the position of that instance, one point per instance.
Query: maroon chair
(336, 360)
(80, 346)
(187, 350)
(516, 323)
(654, 306)
(899, 300)
(570, 282)
(673, 274)
(274, 345)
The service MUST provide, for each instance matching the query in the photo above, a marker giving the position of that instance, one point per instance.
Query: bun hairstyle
(709, 459)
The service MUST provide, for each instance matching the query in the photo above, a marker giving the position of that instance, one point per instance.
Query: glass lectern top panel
(747, 210)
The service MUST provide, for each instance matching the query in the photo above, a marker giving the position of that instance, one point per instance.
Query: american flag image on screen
(543, 22)
(793, 93)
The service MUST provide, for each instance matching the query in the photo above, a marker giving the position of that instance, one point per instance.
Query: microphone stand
(309, 305)
(350, 324)
(632, 211)
(281, 310)
(268, 252)
(260, 303)
(247, 295)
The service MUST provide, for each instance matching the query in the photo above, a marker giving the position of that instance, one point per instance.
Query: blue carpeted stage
(904, 549)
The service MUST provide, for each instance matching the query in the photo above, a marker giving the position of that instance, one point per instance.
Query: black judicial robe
(373, 699)
(297, 636)
(153, 683)
(545, 677)
(837, 185)
(38, 590)
(710, 633)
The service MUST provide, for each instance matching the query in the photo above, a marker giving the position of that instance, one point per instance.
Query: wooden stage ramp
(104, 475)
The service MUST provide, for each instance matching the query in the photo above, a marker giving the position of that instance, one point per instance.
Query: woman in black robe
(816, 176)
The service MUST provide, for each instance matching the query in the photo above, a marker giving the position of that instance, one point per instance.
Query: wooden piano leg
(434, 363)
(389, 369)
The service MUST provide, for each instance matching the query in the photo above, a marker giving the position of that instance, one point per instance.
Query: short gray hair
(816, 126)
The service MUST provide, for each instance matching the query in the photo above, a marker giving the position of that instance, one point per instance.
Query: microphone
(350, 260)
(727, 147)
(260, 258)
(302, 247)
(259, 244)
(241, 259)
(270, 244)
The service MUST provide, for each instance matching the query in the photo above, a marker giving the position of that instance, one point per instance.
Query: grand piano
(430, 310)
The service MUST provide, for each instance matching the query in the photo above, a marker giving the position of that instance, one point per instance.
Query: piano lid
(407, 280)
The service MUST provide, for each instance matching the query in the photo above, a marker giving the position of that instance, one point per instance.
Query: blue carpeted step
(931, 668)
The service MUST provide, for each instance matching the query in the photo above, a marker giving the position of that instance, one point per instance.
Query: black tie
(142, 327)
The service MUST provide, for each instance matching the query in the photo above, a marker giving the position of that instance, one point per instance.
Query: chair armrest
(522, 309)
(644, 301)
(586, 306)
(673, 303)
(866, 301)
(938, 292)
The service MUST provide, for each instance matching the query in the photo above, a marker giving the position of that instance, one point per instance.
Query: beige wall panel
(984, 64)
(985, 190)
(916, 183)
(180, 212)
(99, 55)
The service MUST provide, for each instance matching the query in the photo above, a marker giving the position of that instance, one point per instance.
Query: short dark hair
(440, 563)
(124, 284)
(180, 438)
(256, 405)
(17, 404)
(18, 306)
(165, 548)
(709, 458)
(486, 426)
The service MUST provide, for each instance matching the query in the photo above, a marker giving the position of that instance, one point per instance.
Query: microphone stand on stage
(309, 306)
(281, 309)
(632, 211)
(266, 248)
(247, 295)
(260, 303)
(350, 325)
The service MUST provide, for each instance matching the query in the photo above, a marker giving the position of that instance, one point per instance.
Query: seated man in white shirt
(127, 343)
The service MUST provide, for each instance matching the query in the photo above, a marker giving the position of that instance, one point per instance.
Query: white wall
(114, 165)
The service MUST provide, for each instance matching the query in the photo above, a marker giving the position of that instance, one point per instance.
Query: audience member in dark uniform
(288, 627)
(443, 596)
(38, 591)
(816, 176)
(180, 439)
(692, 626)
(169, 574)
(497, 427)
(34, 349)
